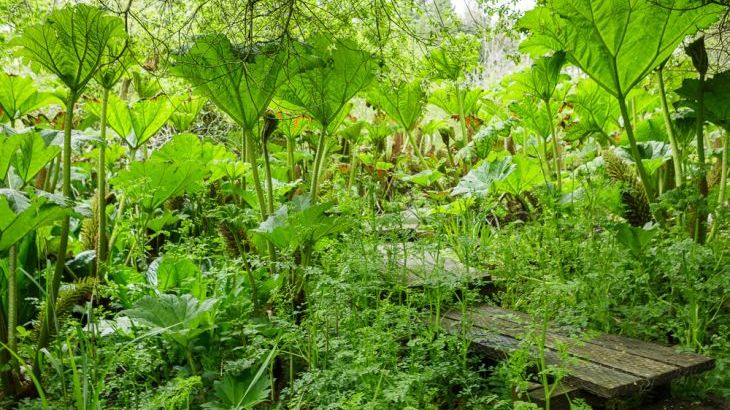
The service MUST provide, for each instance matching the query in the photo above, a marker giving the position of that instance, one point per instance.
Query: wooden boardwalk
(423, 267)
(606, 366)
(602, 369)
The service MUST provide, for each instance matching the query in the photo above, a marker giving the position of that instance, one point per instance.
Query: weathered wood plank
(690, 362)
(664, 363)
(592, 377)
(620, 359)
(608, 366)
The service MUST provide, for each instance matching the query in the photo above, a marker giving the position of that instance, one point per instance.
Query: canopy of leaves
(325, 74)
(615, 42)
(71, 43)
(240, 83)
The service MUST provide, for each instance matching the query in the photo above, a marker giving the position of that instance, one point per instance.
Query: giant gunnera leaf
(240, 82)
(615, 42)
(71, 43)
(19, 96)
(403, 102)
(324, 75)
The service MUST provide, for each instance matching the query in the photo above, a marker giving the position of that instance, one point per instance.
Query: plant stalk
(556, 152)
(415, 146)
(462, 119)
(102, 239)
(290, 159)
(701, 224)
(50, 314)
(676, 156)
(13, 305)
(643, 175)
(251, 155)
(318, 160)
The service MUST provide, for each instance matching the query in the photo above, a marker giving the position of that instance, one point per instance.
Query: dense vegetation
(197, 198)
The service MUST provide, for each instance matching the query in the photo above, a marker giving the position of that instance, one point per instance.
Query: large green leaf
(597, 111)
(187, 109)
(301, 222)
(542, 78)
(32, 155)
(15, 224)
(169, 172)
(71, 43)
(241, 84)
(533, 115)
(403, 102)
(480, 181)
(181, 318)
(118, 115)
(175, 273)
(615, 42)
(138, 123)
(148, 116)
(19, 96)
(8, 148)
(526, 175)
(325, 75)
(114, 62)
(716, 97)
(446, 99)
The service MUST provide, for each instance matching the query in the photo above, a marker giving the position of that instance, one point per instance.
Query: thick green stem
(556, 151)
(50, 313)
(676, 156)
(643, 175)
(13, 303)
(318, 160)
(462, 117)
(267, 174)
(723, 168)
(102, 239)
(701, 226)
(290, 159)
(723, 184)
(115, 229)
(251, 155)
(416, 149)
(263, 207)
(354, 165)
